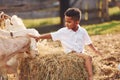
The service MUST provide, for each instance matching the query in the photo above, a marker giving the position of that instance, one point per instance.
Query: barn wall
(29, 8)
(91, 9)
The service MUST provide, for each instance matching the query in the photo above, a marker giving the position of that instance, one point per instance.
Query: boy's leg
(88, 64)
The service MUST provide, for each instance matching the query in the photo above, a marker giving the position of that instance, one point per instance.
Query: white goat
(18, 29)
(10, 47)
(14, 27)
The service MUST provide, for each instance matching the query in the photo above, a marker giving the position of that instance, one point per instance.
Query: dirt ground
(105, 67)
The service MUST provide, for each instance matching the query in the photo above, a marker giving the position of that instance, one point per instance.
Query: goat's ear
(1, 14)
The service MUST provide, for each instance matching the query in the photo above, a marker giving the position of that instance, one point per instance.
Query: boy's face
(70, 23)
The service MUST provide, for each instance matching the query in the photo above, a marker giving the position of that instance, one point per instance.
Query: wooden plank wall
(24, 5)
(91, 9)
(96, 10)
(29, 8)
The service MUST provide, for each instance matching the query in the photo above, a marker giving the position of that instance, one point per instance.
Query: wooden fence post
(105, 14)
(64, 5)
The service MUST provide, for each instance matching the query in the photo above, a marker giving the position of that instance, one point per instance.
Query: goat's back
(12, 45)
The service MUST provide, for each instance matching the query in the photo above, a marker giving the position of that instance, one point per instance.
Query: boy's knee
(88, 57)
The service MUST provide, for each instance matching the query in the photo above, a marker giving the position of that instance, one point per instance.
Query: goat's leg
(3, 75)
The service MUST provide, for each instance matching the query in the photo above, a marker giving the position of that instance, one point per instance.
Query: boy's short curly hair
(75, 13)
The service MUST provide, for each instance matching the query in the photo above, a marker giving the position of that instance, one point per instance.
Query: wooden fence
(96, 10)
(29, 8)
(92, 10)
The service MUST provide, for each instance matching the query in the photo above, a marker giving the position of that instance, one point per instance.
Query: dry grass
(105, 68)
(53, 67)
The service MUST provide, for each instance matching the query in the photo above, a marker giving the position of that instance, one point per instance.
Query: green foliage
(41, 22)
(95, 29)
(104, 28)
(110, 27)
(114, 11)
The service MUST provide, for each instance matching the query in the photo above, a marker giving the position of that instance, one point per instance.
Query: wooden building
(92, 10)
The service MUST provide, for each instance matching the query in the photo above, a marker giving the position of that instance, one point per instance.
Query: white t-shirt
(71, 40)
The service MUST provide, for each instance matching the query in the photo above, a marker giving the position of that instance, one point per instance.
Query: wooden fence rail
(91, 9)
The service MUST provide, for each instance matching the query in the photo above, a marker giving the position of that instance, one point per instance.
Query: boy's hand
(95, 50)
(32, 36)
(99, 53)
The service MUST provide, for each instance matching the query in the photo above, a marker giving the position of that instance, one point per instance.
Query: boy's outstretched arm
(94, 49)
(43, 36)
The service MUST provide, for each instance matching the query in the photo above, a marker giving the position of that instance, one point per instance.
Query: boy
(72, 37)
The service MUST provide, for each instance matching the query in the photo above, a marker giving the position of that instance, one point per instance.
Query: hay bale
(53, 67)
